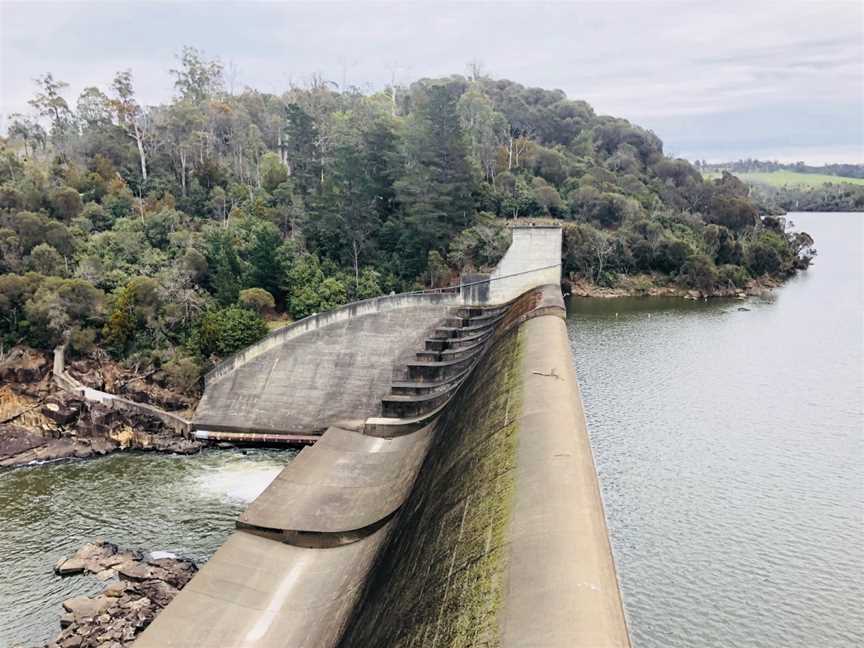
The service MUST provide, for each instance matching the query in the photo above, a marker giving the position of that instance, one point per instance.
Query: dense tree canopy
(169, 231)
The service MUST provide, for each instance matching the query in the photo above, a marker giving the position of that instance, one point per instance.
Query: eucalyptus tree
(130, 116)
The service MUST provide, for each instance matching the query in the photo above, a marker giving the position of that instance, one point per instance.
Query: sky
(717, 80)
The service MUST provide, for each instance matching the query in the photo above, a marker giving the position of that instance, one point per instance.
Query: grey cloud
(753, 72)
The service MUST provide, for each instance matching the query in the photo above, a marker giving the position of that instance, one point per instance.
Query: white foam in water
(239, 479)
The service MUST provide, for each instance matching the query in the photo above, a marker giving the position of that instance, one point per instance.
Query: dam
(447, 495)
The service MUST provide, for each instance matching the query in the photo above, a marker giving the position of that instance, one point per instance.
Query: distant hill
(787, 178)
(777, 187)
(767, 169)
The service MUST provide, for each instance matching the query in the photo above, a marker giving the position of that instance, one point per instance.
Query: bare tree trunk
(356, 266)
(510, 153)
(140, 143)
(183, 171)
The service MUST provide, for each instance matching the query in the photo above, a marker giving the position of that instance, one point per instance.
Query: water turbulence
(185, 505)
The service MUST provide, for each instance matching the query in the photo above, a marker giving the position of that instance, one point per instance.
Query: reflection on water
(730, 451)
(186, 505)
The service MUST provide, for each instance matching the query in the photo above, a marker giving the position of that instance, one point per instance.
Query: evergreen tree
(436, 191)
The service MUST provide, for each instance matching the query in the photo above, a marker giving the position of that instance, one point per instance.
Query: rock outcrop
(39, 422)
(137, 587)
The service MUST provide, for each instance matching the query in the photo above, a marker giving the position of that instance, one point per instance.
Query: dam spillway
(465, 513)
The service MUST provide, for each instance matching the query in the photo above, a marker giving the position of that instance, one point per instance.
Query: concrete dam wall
(464, 510)
(332, 374)
(335, 368)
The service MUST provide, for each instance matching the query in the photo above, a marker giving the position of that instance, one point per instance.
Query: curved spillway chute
(338, 491)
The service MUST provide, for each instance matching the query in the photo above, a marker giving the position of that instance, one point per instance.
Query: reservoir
(730, 446)
(727, 436)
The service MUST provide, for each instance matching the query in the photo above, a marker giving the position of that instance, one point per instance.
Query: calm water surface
(730, 447)
(186, 505)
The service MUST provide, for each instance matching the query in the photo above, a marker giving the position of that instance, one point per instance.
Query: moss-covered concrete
(440, 579)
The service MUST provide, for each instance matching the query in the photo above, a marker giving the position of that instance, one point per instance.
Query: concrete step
(406, 406)
(446, 332)
(436, 344)
(469, 340)
(432, 371)
(463, 351)
(418, 387)
(479, 311)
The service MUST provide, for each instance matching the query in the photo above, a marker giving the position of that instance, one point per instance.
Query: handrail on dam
(448, 295)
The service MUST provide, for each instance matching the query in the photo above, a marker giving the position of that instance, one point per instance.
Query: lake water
(730, 448)
(728, 442)
(186, 505)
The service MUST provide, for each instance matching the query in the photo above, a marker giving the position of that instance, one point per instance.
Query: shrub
(45, 260)
(82, 340)
(700, 273)
(227, 330)
(763, 259)
(65, 203)
(183, 372)
(258, 300)
(732, 275)
(671, 255)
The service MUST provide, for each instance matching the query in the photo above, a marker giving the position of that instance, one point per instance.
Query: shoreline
(646, 286)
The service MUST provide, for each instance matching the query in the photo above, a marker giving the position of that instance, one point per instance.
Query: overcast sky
(715, 80)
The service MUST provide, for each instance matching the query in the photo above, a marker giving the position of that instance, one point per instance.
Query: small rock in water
(743, 310)
(106, 574)
(68, 567)
(158, 555)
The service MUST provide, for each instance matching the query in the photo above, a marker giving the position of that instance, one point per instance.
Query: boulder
(69, 567)
(62, 411)
(83, 607)
(106, 574)
(23, 365)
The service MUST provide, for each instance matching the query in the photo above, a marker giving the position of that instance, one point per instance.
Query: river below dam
(728, 443)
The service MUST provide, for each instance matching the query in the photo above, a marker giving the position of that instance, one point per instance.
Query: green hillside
(788, 178)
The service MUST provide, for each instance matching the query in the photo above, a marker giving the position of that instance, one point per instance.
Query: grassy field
(784, 178)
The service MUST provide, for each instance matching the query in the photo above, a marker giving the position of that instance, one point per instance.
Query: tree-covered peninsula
(169, 235)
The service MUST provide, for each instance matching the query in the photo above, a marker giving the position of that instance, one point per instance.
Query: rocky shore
(41, 422)
(137, 587)
(647, 286)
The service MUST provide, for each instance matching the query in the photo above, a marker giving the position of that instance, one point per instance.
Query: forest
(173, 235)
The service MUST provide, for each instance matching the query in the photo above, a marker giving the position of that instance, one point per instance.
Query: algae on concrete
(440, 579)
